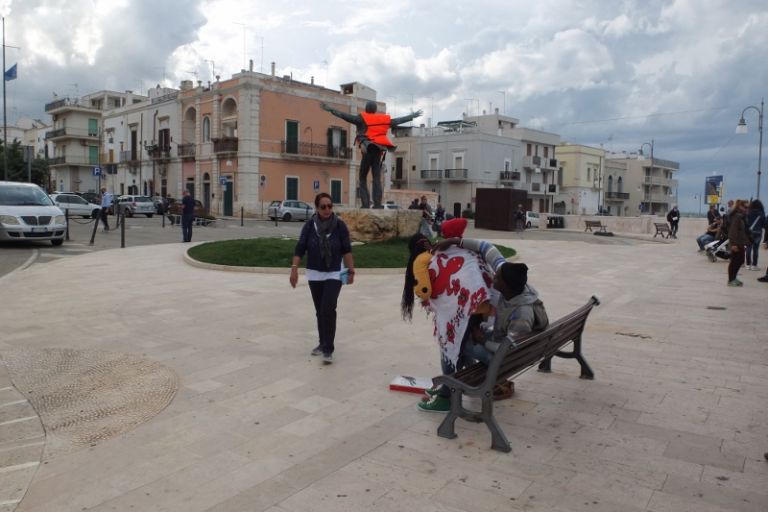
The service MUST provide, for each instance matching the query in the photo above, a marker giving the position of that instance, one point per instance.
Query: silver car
(76, 205)
(137, 205)
(27, 213)
(290, 210)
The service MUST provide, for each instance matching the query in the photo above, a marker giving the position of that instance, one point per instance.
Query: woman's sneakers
(735, 283)
(763, 279)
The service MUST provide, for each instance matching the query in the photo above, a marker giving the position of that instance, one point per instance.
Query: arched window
(206, 129)
(620, 185)
(610, 184)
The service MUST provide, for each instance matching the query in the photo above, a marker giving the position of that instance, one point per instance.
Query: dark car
(91, 197)
(174, 208)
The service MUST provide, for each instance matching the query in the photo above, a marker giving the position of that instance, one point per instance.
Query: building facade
(76, 137)
(455, 158)
(582, 179)
(234, 144)
(649, 181)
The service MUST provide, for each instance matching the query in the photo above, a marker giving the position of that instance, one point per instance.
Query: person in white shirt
(106, 202)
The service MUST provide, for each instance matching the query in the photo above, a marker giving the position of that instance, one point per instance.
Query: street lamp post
(650, 201)
(741, 128)
(699, 198)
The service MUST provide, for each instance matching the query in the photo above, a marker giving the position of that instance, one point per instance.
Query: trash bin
(560, 222)
(550, 222)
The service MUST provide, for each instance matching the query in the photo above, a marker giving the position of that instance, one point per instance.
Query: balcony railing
(186, 150)
(290, 147)
(159, 152)
(509, 175)
(73, 160)
(66, 102)
(129, 156)
(456, 174)
(58, 132)
(225, 145)
(617, 195)
(70, 132)
(431, 175)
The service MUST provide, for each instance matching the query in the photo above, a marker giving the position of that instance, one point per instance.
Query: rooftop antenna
(163, 68)
(192, 72)
(77, 93)
(242, 25)
(213, 68)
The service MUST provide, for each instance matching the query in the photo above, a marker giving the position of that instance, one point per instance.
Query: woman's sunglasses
(325, 206)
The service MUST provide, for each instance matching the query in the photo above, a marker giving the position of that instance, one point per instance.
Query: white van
(27, 214)
(531, 220)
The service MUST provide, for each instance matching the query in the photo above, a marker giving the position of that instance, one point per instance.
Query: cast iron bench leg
(447, 427)
(498, 439)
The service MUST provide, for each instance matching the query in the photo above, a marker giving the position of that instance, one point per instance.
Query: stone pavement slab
(674, 420)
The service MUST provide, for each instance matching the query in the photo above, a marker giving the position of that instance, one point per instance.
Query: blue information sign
(97, 171)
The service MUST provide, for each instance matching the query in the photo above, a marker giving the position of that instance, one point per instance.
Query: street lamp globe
(741, 128)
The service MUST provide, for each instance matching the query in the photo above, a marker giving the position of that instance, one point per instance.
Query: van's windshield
(12, 195)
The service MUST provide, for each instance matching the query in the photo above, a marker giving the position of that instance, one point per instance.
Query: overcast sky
(610, 72)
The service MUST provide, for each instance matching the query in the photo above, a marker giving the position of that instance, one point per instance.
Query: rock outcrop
(366, 225)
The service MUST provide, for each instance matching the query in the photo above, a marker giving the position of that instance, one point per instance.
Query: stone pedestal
(372, 225)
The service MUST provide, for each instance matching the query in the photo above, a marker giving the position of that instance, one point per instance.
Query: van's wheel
(95, 214)
(528, 226)
(287, 217)
(57, 242)
(149, 215)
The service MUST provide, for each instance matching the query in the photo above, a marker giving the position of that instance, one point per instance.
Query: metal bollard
(122, 228)
(242, 214)
(95, 227)
(66, 221)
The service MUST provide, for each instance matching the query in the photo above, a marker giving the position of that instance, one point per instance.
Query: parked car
(76, 205)
(175, 207)
(91, 197)
(390, 206)
(531, 220)
(290, 210)
(133, 205)
(27, 213)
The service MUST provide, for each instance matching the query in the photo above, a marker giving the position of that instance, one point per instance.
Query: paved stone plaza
(675, 419)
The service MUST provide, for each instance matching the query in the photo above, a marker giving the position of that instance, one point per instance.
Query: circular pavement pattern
(85, 396)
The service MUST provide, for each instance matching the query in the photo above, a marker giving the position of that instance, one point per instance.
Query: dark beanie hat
(515, 275)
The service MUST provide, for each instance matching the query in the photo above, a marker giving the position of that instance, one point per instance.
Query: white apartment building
(455, 158)
(76, 134)
(136, 146)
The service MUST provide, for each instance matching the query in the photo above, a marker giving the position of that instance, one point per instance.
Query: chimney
(312, 80)
(496, 110)
(273, 68)
(250, 65)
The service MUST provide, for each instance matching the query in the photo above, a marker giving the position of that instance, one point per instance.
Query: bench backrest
(593, 222)
(511, 359)
(661, 225)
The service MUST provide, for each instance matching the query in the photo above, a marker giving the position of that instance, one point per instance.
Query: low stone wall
(366, 225)
(643, 225)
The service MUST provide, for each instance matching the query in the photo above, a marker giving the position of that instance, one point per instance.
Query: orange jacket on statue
(377, 127)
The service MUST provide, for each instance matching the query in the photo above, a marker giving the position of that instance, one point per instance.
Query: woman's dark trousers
(737, 260)
(325, 295)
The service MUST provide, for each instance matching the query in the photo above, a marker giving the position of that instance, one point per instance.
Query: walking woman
(325, 240)
(755, 225)
(737, 239)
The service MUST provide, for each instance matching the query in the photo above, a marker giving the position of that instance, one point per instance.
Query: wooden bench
(512, 358)
(594, 224)
(662, 229)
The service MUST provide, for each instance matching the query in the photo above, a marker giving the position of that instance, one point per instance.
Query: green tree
(17, 165)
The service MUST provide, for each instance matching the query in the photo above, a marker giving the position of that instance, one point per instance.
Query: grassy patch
(277, 252)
